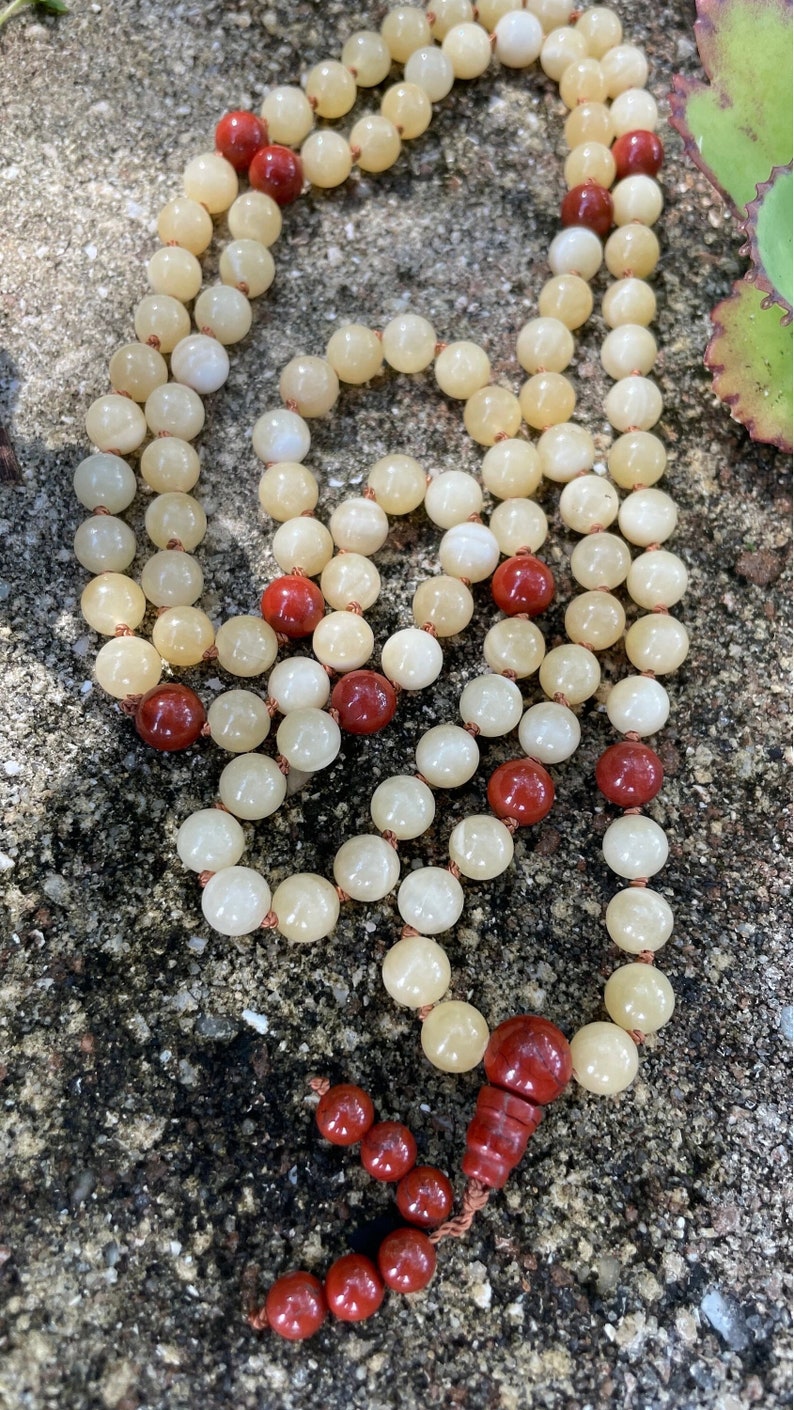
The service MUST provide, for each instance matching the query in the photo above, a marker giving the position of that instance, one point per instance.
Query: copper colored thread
(645, 957)
(244, 289)
(661, 609)
(272, 706)
(649, 675)
(632, 735)
(161, 435)
(320, 1085)
(637, 1036)
(355, 152)
(651, 547)
(631, 812)
(510, 675)
(421, 778)
(430, 629)
(257, 1319)
(130, 703)
(204, 877)
(335, 716)
(176, 545)
(424, 1012)
(596, 529)
(475, 1197)
(301, 572)
(341, 893)
(153, 342)
(500, 436)
(283, 639)
(211, 654)
(391, 838)
(220, 806)
(270, 921)
(355, 608)
(512, 825)
(407, 932)
(206, 730)
(122, 629)
(368, 493)
(291, 404)
(639, 881)
(454, 870)
(560, 699)
(471, 728)
(100, 509)
(474, 519)
(283, 764)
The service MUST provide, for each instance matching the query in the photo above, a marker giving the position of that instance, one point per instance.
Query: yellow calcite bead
(409, 343)
(309, 383)
(547, 399)
(589, 122)
(544, 345)
(624, 66)
(112, 600)
(638, 998)
(469, 551)
(405, 29)
(212, 181)
(461, 369)
(583, 81)
(627, 350)
(589, 503)
(634, 846)
(104, 544)
(657, 643)
(289, 115)
(330, 89)
(570, 671)
(431, 70)
(635, 110)
(637, 458)
(172, 579)
(411, 659)
(595, 618)
(629, 301)
(343, 641)
(239, 721)
(256, 216)
(452, 497)
(115, 423)
(657, 579)
(576, 250)
(517, 524)
(604, 1058)
(601, 28)
(565, 451)
(518, 35)
(492, 703)
(590, 161)
(187, 223)
(637, 199)
(287, 490)
(252, 787)
(183, 635)
(350, 578)
(567, 298)
(135, 370)
(490, 414)
(409, 108)
(416, 971)
(235, 901)
(175, 410)
(367, 55)
(398, 483)
(511, 468)
(359, 525)
(454, 1036)
(375, 143)
(302, 543)
(366, 868)
(632, 252)
(248, 266)
(448, 13)
(326, 158)
(444, 603)
(633, 404)
(514, 645)
(299, 683)
(175, 272)
(170, 464)
(639, 919)
(468, 49)
(175, 516)
(127, 666)
(600, 561)
(308, 739)
(355, 353)
(490, 12)
(481, 847)
(161, 321)
(561, 47)
(307, 907)
(106, 481)
(246, 646)
(404, 805)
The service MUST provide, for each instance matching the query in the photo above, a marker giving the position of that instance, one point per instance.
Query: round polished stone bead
(365, 702)
(344, 1114)
(388, 1150)
(170, 717)
(638, 154)
(589, 205)
(238, 138)
(278, 172)
(522, 584)
(292, 605)
(353, 1288)
(527, 1055)
(407, 1260)
(295, 1306)
(521, 789)
(425, 1196)
(629, 774)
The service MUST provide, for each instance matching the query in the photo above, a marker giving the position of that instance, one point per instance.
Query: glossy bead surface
(447, 756)
(365, 701)
(521, 789)
(353, 1288)
(309, 739)
(407, 1260)
(252, 786)
(307, 907)
(127, 666)
(523, 584)
(111, 600)
(481, 847)
(454, 1036)
(299, 683)
(430, 899)
(170, 717)
(604, 1058)
(388, 1150)
(589, 205)
(549, 732)
(239, 136)
(498, 1134)
(635, 846)
(235, 901)
(639, 919)
(403, 805)
(293, 606)
(366, 868)
(492, 703)
(425, 1196)
(344, 1114)
(638, 997)
(529, 1056)
(638, 153)
(295, 1306)
(278, 172)
(416, 971)
(239, 721)
(571, 671)
(629, 774)
(514, 645)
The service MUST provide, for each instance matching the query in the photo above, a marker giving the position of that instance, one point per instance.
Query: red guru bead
(406, 1260)
(293, 606)
(637, 154)
(278, 172)
(498, 1135)
(388, 1150)
(589, 205)
(238, 138)
(344, 1114)
(353, 1288)
(522, 584)
(528, 1056)
(629, 774)
(170, 717)
(365, 702)
(295, 1306)
(521, 789)
(425, 1196)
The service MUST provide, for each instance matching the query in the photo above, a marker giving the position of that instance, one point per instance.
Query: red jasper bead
(522, 584)
(528, 1056)
(365, 701)
(293, 606)
(589, 205)
(498, 1135)
(238, 138)
(344, 1114)
(424, 1196)
(170, 717)
(278, 172)
(629, 774)
(353, 1288)
(637, 154)
(388, 1150)
(521, 789)
(295, 1306)
(407, 1260)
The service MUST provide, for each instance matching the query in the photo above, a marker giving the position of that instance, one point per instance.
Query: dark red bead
(388, 1151)
(589, 205)
(295, 1306)
(521, 789)
(629, 774)
(528, 1056)
(293, 606)
(344, 1114)
(365, 701)
(498, 1135)
(407, 1260)
(424, 1196)
(522, 584)
(278, 172)
(353, 1288)
(238, 138)
(637, 154)
(169, 717)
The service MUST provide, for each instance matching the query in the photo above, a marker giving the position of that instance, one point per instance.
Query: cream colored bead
(637, 459)
(403, 805)
(409, 343)
(375, 143)
(637, 198)
(583, 81)
(601, 28)
(367, 56)
(161, 321)
(115, 423)
(239, 721)
(632, 252)
(411, 659)
(289, 115)
(447, 14)
(175, 410)
(561, 47)
(210, 840)
(595, 618)
(588, 503)
(590, 161)
(112, 600)
(570, 671)
(175, 516)
(511, 469)
(170, 465)
(517, 524)
(568, 298)
(447, 756)
(343, 641)
(398, 483)
(490, 414)
(302, 543)
(490, 12)
(628, 350)
(252, 787)
(454, 1036)
(307, 907)
(172, 579)
(638, 998)
(635, 846)
(281, 435)
(409, 108)
(451, 498)
(184, 222)
(576, 250)
(566, 451)
(256, 216)
(127, 666)
(287, 490)
(105, 480)
(601, 560)
(590, 122)
(647, 516)
(462, 369)
(544, 345)
(299, 683)
(658, 643)
(628, 301)
(657, 579)
(200, 362)
(350, 578)
(212, 181)
(248, 266)
(405, 29)
(469, 551)
(359, 526)
(481, 847)
(634, 403)
(604, 1058)
(309, 739)
(246, 646)
(638, 705)
(135, 370)
(355, 354)
(519, 36)
(551, 13)
(468, 49)
(635, 110)
(547, 399)
(175, 272)
(431, 70)
(183, 635)
(549, 732)
(624, 66)
(224, 312)
(104, 544)
(514, 645)
(430, 899)
(443, 603)
(235, 901)
(639, 919)
(326, 159)
(492, 703)
(311, 383)
(330, 89)
(366, 868)
(416, 971)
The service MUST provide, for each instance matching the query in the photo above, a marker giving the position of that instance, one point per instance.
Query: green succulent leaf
(750, 356)
(769, 238)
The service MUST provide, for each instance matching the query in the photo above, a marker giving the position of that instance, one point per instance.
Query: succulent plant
(737, 129)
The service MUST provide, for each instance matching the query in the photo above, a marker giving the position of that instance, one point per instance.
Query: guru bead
(170, 717)
(295, 1306)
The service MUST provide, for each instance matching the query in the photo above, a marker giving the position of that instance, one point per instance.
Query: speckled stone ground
(159, 1160)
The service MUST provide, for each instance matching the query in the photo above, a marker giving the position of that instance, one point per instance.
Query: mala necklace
(614, 156)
